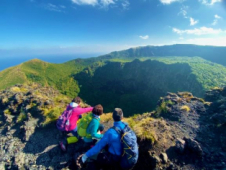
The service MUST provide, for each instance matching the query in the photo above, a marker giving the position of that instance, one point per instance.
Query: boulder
(180, 145)
(19, 160)
(164, 157)
(193, 146)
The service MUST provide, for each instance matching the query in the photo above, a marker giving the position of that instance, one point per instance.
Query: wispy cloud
(167, 2)
(103, 3)
(56, 8)
(183, 11)
(107, 2)
(125, 4)
(215, 21)
(85, 2)
(145, 37)
(199, 31)
(209, 2)
(193, 21)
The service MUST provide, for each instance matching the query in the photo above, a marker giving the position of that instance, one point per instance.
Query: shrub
(7, 112)
(22, 116)
(144, 132)
(15, 89)
(106, 117)
(161, 109)
(185, 108)
(51, 115)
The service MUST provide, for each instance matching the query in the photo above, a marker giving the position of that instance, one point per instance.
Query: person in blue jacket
(111, 139)
(94, 128)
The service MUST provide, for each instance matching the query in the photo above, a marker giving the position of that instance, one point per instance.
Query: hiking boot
(78, 160)
(63, 146)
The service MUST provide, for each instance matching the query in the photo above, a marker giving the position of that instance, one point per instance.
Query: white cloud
(209, 2)
(193, 21)
(217, 41)
(85, 2)
(167, 2)
(144, 37)
(217, 16)
(198, 31)
(107, 2)
(215, 21)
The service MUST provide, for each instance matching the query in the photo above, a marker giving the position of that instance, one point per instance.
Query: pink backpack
(63, 122)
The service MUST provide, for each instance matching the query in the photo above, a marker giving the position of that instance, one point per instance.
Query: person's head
(77, 100)
(98, 110)
(117, 114)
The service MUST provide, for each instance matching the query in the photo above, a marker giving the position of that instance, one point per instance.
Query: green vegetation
(132, 79)
(22, 116)
(185, 108)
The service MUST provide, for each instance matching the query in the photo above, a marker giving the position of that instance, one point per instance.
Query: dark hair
(117, 114)
(77, 100)
(98, 110)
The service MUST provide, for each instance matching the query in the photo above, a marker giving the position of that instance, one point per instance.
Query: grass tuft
(185, 108)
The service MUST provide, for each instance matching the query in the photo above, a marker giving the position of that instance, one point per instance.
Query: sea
(6, 62)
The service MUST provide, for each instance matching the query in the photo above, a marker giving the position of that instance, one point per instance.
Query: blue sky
(58, 27)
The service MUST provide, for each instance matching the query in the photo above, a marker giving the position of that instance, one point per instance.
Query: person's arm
(80, 110)
(100, 145)
(94, 125)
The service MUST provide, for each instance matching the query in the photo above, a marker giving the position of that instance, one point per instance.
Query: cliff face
(183, 132)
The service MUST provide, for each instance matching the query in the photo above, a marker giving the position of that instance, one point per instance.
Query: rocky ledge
(184, 132)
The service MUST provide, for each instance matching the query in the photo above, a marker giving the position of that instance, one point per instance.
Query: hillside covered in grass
(133, 79)
(211, 53)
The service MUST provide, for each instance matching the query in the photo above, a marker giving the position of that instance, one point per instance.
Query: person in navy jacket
(111, 140)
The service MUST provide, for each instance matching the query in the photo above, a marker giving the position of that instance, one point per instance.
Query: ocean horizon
(7, 62)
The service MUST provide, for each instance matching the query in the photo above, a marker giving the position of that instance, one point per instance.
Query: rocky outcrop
(185, 132)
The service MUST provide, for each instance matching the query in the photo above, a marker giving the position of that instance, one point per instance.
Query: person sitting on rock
(111, 140)
(76, 114)
(94, 128)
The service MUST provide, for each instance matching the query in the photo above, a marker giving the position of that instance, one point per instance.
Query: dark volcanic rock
(193, 146)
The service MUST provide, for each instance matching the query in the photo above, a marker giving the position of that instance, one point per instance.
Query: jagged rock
(19, 160)
(2, 165)
(180, 145)
(155, 160)
(28, 128)
(164, 157)
(173, 95)
(8, 118)
(193, 146)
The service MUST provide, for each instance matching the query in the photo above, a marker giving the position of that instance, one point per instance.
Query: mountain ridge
(69, 77)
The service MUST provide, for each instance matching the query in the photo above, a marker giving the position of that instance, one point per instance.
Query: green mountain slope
(56, 75)
(119, 79)
(136, 86)
(211, 53)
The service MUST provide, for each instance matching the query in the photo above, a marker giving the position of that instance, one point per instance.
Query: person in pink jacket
(76, 114)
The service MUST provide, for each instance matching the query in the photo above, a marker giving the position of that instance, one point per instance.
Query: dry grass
(7, 112)
(22, 116)
(15, 89)
(185, 94)
(51, 114)
(216, 88)
(144, 131)
(185, 108)
(106, 117)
